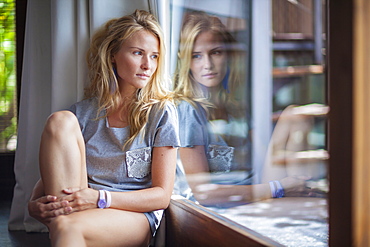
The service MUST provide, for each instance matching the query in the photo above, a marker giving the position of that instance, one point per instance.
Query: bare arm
(207, 193)
(159, 195)
(199, 178)
(194, 159)
(154, 198)
(196, 168)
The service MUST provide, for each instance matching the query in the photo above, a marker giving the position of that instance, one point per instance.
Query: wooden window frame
(340, 135)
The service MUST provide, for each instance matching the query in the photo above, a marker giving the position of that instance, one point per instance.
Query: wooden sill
(189, 224)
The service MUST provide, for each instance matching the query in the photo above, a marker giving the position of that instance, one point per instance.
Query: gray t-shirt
(110, 167)
(196, 130)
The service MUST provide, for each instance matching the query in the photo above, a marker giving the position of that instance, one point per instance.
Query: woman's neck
(118, 117)
(213, 93)
(209, 91)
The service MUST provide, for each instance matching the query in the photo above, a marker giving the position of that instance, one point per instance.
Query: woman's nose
(146, 63)
(208, 63)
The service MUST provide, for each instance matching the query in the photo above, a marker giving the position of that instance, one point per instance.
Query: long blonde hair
(185, 86)
(103, 82)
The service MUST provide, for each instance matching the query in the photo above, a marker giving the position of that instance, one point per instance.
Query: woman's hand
(296, 186)
(46, 208)
(81, 199)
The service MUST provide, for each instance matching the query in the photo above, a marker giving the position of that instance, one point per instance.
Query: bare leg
(101, 227)
(63, 165)
(62, 154)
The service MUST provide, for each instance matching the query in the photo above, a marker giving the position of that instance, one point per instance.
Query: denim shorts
(154, 219)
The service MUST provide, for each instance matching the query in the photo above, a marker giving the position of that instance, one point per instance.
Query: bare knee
(65, 231)
(59, 226)
(61, 122)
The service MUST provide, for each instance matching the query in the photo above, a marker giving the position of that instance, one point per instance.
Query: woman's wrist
(277, 190)
(104, 199)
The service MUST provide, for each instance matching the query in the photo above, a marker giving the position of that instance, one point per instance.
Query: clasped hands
(45, 208)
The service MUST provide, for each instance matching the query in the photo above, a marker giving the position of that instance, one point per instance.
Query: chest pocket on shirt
(139, 162)
(220, 158)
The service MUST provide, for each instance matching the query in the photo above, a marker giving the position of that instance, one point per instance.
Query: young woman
(209, 72)
(108, 163)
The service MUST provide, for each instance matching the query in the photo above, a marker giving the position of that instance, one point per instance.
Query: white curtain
(54, 75)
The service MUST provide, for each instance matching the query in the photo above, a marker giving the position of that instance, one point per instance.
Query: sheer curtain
(54, 75)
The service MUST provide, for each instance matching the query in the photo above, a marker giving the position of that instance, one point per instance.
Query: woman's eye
(196, 56)
(154, 56)
(138, 53)
(216, 52)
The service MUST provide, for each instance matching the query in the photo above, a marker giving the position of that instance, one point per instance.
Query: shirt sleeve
(167, 130)
(84, 110)
(192, 125)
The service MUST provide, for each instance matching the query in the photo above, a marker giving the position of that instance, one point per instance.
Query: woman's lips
(143, 76)
(210, 75)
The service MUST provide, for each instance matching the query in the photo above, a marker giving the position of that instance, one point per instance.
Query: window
(8, 83)
(268, 117)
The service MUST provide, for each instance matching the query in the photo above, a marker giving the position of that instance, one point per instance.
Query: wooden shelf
(297, 70)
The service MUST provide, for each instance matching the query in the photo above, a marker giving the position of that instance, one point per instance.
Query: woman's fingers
(59, 211)
(47, 199)
(46, 208)
(55, 205)
(80, 199)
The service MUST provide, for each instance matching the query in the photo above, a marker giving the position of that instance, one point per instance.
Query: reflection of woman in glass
(208, 74)
(110, 161)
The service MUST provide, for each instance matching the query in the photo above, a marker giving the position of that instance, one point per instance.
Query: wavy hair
(185, 86)
(106, 42)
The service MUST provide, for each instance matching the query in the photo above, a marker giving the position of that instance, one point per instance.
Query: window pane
(8, 96)
(252, 109)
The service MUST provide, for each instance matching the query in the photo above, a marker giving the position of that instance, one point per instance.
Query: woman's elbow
(165, 199)
(166, 202)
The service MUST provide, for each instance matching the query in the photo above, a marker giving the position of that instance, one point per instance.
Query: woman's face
(209, 59)
(136, 61)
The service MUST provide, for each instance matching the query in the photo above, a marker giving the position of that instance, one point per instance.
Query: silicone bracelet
(102, 203)
(109, 198)
(277, 190)
(280, 190)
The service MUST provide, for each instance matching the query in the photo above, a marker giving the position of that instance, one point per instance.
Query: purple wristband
(277, 190)
(102, 202)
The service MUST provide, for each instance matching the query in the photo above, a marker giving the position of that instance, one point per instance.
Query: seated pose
(211, 110)
(108, 163)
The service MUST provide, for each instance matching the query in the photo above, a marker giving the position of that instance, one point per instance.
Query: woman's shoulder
(164, 107)
(86, 105)
(185, 107)
(191, 113)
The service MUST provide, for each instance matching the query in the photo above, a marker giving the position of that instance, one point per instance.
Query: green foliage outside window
(8, 100)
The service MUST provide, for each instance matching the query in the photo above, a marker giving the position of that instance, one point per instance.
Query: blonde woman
(208, 75)
(108, 163)
(207, 84)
